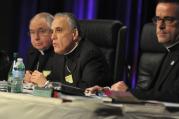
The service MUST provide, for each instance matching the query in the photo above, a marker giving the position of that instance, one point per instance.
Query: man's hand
(27, 77)
(38, 78)
(119, 86)
(92, 90)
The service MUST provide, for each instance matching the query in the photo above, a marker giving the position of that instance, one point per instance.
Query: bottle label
(19, 74)
(16, 85)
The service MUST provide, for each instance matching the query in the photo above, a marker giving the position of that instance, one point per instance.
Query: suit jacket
(37, 61)
(165, 85)
(84, 67)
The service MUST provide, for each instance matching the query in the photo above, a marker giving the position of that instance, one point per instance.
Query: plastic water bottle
(10, 75)
(18, 75)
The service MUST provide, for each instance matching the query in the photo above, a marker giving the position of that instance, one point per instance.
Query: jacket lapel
(73, 65)
(72, 62)
(166, 69)
(33, 60)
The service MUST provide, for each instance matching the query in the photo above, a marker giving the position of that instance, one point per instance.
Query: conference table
(26, 106)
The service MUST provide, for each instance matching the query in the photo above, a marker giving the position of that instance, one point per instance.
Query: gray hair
(72, 20)
(47, 16)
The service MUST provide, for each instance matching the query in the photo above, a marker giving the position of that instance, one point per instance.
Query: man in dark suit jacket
(84, 67)
(83, 64)
(38, 61)
(165, 85)
(41, 52)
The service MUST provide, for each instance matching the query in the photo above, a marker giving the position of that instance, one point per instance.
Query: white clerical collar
(76, 44)
(172, 45)
(41, 52)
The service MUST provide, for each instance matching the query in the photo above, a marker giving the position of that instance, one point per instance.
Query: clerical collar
(41, 52)
(76, 44)
(171, 46)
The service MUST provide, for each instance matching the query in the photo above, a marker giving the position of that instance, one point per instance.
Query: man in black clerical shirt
(39, 55)
(83, 64)
(165, 85)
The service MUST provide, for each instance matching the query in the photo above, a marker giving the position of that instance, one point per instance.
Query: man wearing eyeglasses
(41, 52)
(165, 85)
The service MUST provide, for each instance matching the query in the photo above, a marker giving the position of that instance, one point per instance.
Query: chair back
(105, 35)
(151, 55)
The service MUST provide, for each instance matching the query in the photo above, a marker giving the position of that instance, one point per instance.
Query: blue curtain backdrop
(132, 13)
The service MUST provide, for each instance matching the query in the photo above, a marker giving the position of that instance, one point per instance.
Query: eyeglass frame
(167, 20)
(40, 31)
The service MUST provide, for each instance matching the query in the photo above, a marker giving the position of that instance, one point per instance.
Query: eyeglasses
(168, 20)
(40, 32)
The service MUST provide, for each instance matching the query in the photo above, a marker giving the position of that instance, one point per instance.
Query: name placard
(43, 92)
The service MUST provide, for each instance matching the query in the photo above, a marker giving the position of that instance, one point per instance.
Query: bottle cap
(19, 59)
